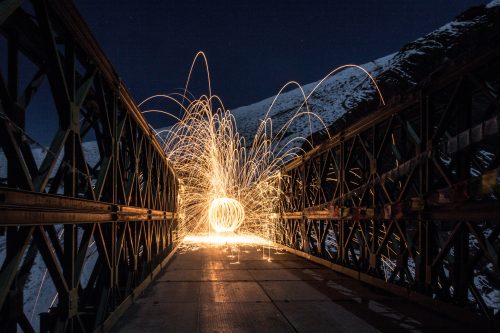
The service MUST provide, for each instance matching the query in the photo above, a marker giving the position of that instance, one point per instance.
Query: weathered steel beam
(27, 208)
(88, 95)
(403, 195)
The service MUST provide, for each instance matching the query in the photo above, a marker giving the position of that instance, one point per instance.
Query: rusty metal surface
(240, 289)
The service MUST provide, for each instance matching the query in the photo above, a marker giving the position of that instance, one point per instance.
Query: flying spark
(225, 184)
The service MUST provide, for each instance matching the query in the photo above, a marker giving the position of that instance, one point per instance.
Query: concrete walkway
(238, 289)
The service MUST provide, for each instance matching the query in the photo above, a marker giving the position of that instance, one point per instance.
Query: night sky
(253, 47)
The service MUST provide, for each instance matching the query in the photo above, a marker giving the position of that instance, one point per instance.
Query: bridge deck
(206, 289)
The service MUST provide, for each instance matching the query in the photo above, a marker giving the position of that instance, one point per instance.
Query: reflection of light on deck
(225, 239)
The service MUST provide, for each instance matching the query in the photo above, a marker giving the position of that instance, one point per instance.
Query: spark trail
(229, 190)
(227, 185)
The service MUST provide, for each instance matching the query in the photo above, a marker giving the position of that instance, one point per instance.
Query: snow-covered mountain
(90, 150)
(349, 94)
(339, 100)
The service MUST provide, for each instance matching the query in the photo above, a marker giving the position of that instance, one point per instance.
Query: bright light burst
(225, 184)
(224, 238)
(225, 214)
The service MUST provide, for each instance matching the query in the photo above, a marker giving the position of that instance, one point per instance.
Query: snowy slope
(350, 90)
(333, 98)
(347, 93)
(90, 150)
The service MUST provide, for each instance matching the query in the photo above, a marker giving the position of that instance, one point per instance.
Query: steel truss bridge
(405, 199)
(124, 203)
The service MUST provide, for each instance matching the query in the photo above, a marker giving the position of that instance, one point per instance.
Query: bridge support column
(305, 237)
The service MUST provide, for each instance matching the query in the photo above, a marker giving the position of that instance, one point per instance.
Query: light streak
(227, 185)
(222, 239)
(225, 214)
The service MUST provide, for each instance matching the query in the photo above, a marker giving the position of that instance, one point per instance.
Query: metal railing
(96, 208)
(407, 198)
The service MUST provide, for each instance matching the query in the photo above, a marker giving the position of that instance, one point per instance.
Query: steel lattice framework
(407, 198)
(123, 204)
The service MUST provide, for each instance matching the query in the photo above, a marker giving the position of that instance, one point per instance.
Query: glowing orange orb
(226, 214)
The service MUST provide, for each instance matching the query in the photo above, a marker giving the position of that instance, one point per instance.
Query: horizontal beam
(19, 207)
(328, 214)
(30, 200)
(480, 211)
(471, 211)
